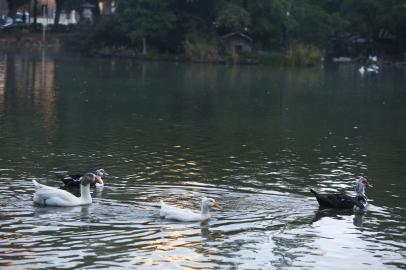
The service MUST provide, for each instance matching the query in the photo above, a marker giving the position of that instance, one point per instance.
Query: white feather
(50, 196)
(186, 215)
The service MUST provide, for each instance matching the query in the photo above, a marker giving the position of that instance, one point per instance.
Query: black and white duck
(50, 196)
(343, 201)
(73, 180)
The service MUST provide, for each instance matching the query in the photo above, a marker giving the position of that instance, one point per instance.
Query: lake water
(254, 138)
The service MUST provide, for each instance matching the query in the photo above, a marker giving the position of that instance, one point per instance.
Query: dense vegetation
(295, 28)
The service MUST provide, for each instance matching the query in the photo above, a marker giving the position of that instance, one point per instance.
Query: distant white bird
(180, 214)
(50, 196)
(373, 58)
(373, 68)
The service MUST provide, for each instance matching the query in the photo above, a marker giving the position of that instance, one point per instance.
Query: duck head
(88, 178)
(360, 185)
(101, 172)
(208, 203)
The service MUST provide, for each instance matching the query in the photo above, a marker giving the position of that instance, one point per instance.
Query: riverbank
(23, 39)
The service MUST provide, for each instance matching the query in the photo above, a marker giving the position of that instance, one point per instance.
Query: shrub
(272, 58)
(104, 34)
(202, 50)
(303, 55)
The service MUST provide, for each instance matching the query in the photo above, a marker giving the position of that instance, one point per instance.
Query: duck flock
(50, 196)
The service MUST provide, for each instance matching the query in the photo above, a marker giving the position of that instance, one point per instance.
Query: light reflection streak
(30, 85)
(3, 65)
(176, 248)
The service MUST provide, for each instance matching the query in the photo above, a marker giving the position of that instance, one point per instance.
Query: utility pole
(44, 25)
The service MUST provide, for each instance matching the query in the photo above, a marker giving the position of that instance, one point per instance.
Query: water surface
(254, 138)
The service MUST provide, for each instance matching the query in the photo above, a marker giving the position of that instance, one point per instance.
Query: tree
(270, 21)
(35, 13)
(59, 5)
(142, 20)
(233, 17)
(95, 9)
(273, 24)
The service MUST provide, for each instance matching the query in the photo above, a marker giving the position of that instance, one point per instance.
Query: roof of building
(239, 34)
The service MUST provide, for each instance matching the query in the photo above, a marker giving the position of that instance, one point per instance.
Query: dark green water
(254, 138)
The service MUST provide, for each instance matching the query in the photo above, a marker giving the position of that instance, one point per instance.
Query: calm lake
(254, 138)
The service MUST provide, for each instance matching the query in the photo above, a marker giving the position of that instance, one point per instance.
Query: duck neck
(360, 189)
(85, 193)
(205, 209)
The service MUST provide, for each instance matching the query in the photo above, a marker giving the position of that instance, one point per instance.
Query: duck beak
(217, 206)
(98, 180)
(367, 184)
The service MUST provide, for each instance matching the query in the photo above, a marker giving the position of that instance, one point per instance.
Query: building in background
(85, 11)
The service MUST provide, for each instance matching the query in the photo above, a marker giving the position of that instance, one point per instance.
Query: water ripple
(122, 227)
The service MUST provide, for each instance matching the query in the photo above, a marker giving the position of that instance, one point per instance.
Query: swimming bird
(371, 66)
(373, 58)
(361, 70)
(73, 180)
(374, 68)
(343, 201)
(50, 196)
(180, 214)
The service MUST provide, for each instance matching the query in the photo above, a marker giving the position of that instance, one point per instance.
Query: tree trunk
(95, 10)
(144, 46)
(35, 15)
(285, 37)
(107, 7)
(59, 4)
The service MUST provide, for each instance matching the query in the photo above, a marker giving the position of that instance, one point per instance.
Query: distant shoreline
(69, 42)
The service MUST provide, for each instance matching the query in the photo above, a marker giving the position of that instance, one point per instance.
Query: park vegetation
(296, 32)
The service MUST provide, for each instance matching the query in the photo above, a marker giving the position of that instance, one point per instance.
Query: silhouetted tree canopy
(341, 26)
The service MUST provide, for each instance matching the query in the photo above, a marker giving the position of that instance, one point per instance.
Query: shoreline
(69, 42)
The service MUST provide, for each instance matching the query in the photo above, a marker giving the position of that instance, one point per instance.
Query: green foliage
(303, 55)
(233, 17)
(105, 34)
(167, 25)
(233, 56)
(145, 19)
(202, 50)
(272, 58)
(314, 25)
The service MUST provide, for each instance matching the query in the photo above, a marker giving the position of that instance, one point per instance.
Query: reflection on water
(254, 138)
(3, 64)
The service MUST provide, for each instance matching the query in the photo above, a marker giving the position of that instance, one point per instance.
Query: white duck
(50, 196)
(171, 212)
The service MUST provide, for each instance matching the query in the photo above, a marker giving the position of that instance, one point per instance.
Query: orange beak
(98, 180)
(217, 206)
